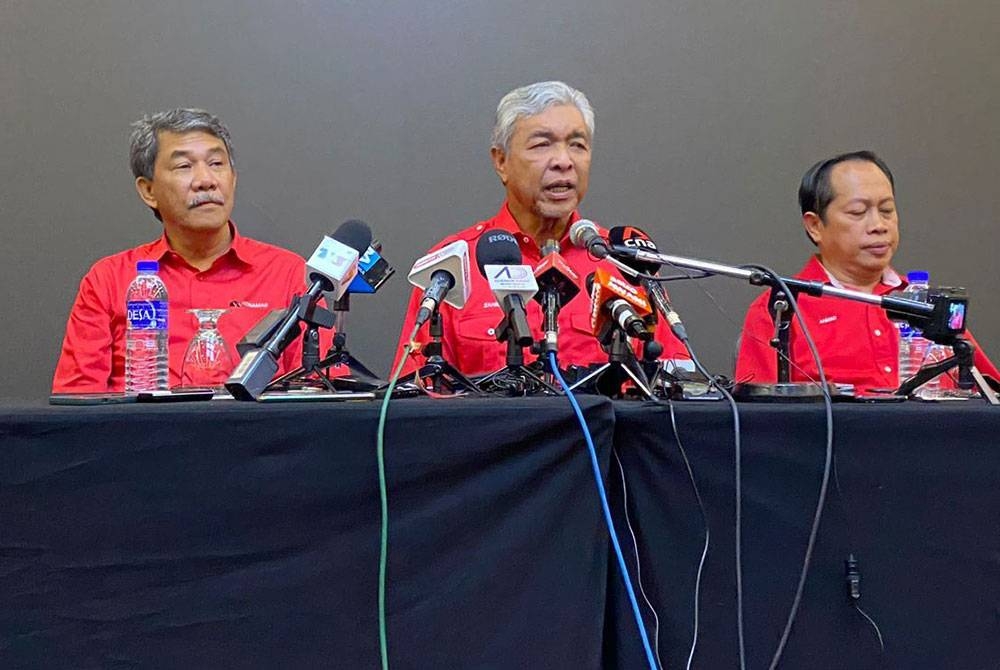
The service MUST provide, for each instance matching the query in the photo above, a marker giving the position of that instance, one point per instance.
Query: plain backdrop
(708, 112)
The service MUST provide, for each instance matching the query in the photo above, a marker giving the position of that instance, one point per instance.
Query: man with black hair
(848, 206)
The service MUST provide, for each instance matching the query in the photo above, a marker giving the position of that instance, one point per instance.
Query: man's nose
(877, 222)
(561, 158)
(203, 178)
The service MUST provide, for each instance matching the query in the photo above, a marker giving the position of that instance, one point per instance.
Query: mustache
(203, 198)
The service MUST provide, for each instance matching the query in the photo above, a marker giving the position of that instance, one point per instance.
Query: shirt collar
(890, 279)
(238, 248)
(505, 220)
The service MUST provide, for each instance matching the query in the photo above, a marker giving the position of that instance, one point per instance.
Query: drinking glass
(207, 361)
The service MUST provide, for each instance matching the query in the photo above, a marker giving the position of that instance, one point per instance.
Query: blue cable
(607, 512)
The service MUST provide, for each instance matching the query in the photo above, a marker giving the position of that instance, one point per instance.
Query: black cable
(704, 520)
(739, 497)
(827, 466)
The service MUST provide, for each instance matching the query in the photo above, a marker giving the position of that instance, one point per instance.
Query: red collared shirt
(249, 280)
(469, 340)
(857, 342)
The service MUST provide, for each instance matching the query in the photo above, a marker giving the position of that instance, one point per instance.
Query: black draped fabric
(917, 503)
(231, 535)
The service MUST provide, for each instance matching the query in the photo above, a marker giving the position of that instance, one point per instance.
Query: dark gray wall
(708, 112)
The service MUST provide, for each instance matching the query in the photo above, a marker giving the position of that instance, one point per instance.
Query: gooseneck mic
(444, 276)
(627, 239)
(331, 268)
(585, 235)
(499, 259)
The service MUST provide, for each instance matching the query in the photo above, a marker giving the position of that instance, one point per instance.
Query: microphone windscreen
(634, 238)
(355, 234)
(497, 247)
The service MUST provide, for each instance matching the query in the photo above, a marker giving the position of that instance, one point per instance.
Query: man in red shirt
(182, 160)
(848, 205)
(541, 150)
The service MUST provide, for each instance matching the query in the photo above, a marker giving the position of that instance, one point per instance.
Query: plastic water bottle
(146, 354)
(914, 351)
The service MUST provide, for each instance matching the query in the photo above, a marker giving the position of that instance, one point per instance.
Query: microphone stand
(608, 378)
(515, 378)
(436, 368)
(361, 378)
(968, 375)
(913, 311)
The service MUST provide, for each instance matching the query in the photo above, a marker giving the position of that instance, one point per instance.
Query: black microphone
(558, 283)
(331, 268)
(631, 238)
(513, 284)
(585, 235)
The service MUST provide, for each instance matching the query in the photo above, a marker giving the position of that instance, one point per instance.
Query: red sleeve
(981, 360)
(756, 361)
(85, 363)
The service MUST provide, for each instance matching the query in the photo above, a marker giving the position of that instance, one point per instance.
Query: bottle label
(147, 314)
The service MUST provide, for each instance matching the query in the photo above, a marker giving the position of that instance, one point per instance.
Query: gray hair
(144, 142)
(535, 99)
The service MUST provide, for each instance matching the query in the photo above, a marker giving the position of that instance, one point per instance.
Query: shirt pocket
(476, 350)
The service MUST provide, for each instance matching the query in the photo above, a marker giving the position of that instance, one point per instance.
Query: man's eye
(182, 166)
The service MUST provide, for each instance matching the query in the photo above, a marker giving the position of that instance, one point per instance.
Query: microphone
(585, 235)
(331, 268)
(558, 283)
(629, 238)
(499, 259)
(444, 276)
(624, 304)
(334, 264)
(373, 270)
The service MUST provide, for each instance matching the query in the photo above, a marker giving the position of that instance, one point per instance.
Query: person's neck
(539, 228)
(201, 250)
(865, 282)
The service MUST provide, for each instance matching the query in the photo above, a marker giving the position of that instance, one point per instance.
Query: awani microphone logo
(513, 272)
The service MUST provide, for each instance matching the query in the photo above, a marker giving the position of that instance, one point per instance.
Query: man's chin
(558, 211)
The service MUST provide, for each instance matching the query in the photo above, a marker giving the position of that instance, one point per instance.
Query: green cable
(384, 500)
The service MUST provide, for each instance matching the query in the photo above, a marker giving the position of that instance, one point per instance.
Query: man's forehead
(554, 115)
(849, 177)
(178, 141)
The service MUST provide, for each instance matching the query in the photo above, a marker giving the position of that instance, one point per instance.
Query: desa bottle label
(147, 314)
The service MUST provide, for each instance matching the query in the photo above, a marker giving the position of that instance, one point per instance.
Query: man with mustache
(541, 150)
(848, 206)
(182, 160)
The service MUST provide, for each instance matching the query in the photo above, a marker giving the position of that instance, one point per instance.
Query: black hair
(816, 192)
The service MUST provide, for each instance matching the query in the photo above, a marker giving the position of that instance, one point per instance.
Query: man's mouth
(560, 188)
(878, 249)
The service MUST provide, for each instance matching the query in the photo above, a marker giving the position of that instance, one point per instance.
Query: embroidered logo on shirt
(828, 319)
(488, 305)
(247, 303)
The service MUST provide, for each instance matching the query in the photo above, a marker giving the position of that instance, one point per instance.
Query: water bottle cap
(147, 266)
(918, 276)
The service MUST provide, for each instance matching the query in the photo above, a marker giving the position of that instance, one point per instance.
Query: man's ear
(499, 163)
(814, 226)
(144, 187)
